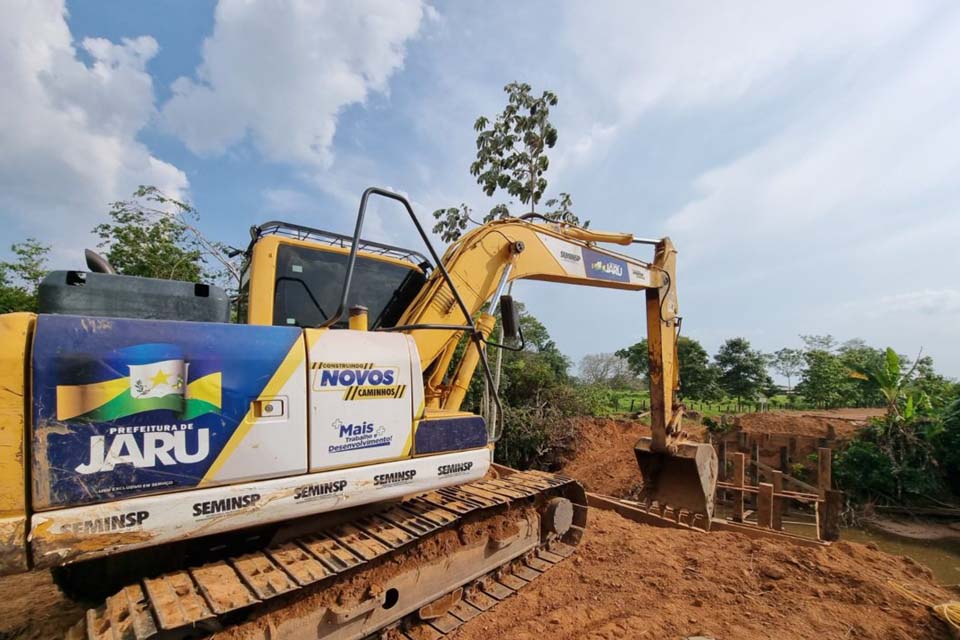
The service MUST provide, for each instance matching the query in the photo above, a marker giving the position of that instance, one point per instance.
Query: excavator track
(417, 569)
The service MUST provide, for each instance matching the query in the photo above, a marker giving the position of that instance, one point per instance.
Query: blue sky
(803, 158)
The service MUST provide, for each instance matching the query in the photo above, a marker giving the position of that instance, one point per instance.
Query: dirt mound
(840, 424)
(635, 581)
(604, 461)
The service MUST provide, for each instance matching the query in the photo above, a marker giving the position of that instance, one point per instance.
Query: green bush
(864, 471)
(947, 445)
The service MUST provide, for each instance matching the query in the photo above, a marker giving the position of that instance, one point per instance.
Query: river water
(942, 556)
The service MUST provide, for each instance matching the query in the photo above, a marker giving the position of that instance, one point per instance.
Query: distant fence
(634, 405)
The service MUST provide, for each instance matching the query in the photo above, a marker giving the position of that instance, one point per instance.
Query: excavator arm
(675, 472)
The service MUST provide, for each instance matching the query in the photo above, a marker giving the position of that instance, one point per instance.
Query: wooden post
(755, 467)
(722, 454)
(777, 518)
(824, 470)
(785, 460)
(765, 505)
(742, 441)
(828, 515)
(738, 467)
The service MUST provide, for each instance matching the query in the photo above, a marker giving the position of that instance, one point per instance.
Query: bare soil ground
(32, 608)
(844, 423)
(634, 581)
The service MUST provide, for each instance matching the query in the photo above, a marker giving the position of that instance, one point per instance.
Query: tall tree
(813, 342)
(20, 278)
(823, 379)
(155, 236)
(856, 354)
(606, 369)
(698, 378)
(743, 370)
(512, 157)
(788, 363)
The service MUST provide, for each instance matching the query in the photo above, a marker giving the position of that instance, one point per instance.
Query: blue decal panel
(128, 407)
(604, 267)
(450, 434)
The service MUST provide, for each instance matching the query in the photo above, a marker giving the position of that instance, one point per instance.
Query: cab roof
(329, 238)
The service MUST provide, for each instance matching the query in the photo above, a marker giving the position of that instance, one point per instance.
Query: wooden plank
(765, 505)
(828, 513)
(739, 463)
(778, 502)
(792, 480)
(824, 470)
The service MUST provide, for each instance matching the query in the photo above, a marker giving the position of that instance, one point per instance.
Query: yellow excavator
(305, 471)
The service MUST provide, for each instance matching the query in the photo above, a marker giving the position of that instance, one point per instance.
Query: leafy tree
(698, 378)
(20, 278)
(512, 157)
(788, 363)
(814, 342)
(947, 442)
(511, 150)
(743, 370)
(897, 456)
(155, 236)
(939, 389)
(856, 354)
(607, 370)
(823, 378)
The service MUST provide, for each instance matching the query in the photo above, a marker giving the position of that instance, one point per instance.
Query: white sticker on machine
(360, 398)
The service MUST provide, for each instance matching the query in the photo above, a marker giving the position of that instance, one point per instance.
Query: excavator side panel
(15, 333)
(124, 408)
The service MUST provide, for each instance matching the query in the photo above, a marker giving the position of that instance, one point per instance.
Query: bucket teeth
(682, 479)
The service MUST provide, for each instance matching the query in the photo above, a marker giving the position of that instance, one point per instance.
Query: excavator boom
(675, 472)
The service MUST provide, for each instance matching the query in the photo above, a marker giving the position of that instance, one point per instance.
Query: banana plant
(888, 377)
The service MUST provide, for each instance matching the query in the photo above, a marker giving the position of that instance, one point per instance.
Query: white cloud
(695, 54)
(68, 130)
(925, 302)
(853, 168)
(280, 73)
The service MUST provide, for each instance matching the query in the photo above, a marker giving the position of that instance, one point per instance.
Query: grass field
(633, 401)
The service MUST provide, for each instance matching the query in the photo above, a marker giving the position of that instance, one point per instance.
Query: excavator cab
(297, 275)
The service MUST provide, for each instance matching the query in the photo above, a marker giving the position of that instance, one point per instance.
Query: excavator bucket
(684, 479)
